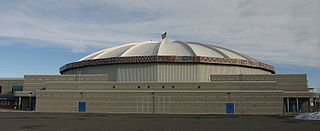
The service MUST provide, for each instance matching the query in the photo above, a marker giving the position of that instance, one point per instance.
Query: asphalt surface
(13, 121)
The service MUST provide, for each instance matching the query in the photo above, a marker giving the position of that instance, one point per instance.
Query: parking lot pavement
(135, 122)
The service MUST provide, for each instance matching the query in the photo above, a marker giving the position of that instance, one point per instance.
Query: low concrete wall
(160, 102)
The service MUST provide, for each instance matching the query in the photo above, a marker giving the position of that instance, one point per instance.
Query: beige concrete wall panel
(160, 102)
(243, 77)
(7, 84)
(286, 82)
(174, 86)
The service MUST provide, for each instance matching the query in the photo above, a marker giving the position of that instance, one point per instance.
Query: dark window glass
(17, 88)
(0, 89)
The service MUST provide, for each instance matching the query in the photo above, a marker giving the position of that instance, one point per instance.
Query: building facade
(162, 78)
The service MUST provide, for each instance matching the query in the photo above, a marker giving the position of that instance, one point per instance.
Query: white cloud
(285, 31)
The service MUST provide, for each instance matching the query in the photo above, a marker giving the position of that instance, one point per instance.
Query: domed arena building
(162, 78)
(164, 61)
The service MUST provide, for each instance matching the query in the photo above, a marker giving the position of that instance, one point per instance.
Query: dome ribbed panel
(204, 51)
(91, 56)
(234, 52)
(173, 49)
(231, 54)
(115, 51)
(149, 48)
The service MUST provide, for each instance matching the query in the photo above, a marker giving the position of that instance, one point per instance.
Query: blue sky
(37, 37)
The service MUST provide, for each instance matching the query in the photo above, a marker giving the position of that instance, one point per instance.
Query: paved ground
(122, 122)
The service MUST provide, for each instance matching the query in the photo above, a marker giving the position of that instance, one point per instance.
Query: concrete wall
(164, 72)
(173, 102)
(285, 82)
(236, 85)
(252, 94)
(250, 97)
(292, 82)
(38, 82)
(7, 83)
(242, 77)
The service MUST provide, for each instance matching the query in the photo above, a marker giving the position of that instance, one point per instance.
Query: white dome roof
(167, 48)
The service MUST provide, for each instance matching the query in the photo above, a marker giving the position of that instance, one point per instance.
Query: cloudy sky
(37, 36)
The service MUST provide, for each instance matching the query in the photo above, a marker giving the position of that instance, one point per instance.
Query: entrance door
(300, 107)
(230, 108)
(292, 107)
(82, 107)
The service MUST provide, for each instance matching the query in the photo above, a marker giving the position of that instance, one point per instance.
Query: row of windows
(20, 88)
(13, 89)
(16, 88)
(161, 87)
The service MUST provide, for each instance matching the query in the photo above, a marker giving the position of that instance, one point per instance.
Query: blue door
(230, 108)
(82, 107)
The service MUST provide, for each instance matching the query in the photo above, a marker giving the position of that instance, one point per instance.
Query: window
(138, 86)
(172, 87)
(17, 88)
(199, 87)
(0, 89)
(114, 87)
(148, 86)
(163, 87)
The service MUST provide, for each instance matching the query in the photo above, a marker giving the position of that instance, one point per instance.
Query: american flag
(164, 35)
